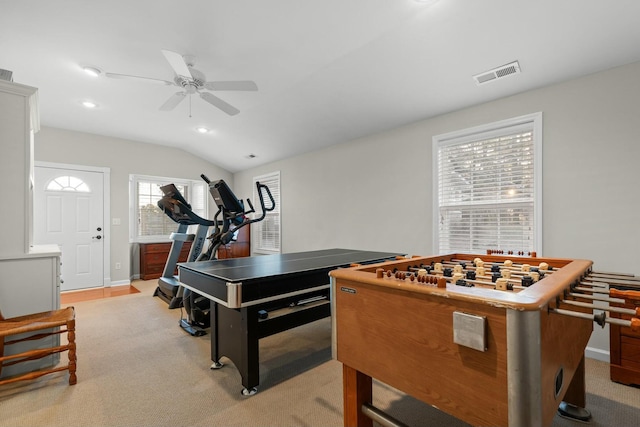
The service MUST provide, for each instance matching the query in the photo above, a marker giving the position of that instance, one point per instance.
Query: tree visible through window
(488, 187)
(148, 220)
(151, 220)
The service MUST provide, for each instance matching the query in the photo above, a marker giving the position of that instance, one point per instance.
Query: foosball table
(492, 339)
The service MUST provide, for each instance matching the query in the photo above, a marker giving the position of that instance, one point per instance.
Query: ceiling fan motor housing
(193, 84)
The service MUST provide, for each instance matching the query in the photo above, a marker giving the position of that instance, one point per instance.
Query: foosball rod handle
(626, 295)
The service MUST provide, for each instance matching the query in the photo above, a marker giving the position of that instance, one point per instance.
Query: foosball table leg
(573, 406)
(356, 392)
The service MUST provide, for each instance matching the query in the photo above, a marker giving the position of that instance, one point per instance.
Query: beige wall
(123, 157)
(375, 192)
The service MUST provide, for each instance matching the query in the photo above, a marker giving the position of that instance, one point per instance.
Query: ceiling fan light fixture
(202, 129)
(89, 104)
(92, 71)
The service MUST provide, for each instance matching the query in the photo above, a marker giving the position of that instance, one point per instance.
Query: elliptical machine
(234, 217)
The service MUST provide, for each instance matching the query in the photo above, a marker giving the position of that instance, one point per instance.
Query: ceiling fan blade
(232, 85)
(217, 102)
(146, 79)
(177, 63)
(172, 102)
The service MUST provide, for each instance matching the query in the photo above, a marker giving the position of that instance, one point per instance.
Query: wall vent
(497, 73)
(6, 75)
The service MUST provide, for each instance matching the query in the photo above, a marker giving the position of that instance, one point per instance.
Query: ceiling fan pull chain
(189, 105)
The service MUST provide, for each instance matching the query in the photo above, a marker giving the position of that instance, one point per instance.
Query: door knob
(97, 237)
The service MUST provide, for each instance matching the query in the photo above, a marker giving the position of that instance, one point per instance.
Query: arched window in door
(68, 183)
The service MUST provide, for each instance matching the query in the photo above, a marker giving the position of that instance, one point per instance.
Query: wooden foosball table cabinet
(489, 351)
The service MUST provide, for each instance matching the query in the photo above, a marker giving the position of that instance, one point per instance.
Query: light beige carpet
(136, 367)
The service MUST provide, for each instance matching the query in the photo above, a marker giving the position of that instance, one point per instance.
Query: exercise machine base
(195, 331)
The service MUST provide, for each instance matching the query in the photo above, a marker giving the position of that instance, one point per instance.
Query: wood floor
(70, 297)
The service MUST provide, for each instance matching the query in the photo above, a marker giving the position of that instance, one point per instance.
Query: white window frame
(483, 132)
(191, 185)
(259, 244)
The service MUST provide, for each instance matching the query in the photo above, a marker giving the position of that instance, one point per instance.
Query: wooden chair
(44, 324)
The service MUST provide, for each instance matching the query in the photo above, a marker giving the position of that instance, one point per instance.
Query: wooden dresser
(625, 346)
(153, 257)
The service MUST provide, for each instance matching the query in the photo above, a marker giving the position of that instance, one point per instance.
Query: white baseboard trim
(598, 354)
(121, 283)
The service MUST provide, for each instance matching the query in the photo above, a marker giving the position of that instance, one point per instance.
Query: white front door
(68, 212)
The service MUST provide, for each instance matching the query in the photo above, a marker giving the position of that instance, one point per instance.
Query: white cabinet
(30, 279)
(30, 284)
(19, 120)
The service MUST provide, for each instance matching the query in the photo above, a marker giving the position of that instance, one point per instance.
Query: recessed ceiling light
(89, 104)
(92, 71)
(202, 129)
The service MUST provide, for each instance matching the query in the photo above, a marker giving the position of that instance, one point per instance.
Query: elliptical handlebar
(233, 213)
(265, 209)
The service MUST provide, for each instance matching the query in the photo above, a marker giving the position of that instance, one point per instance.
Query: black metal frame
(236, 331)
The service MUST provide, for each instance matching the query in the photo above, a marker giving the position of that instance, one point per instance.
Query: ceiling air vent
(6, 75)
(497, 73)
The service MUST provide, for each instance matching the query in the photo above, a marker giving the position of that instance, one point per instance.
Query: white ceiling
(327, 71)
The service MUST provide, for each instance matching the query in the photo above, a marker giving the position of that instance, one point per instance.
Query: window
(68, 183)
(148, 222)
(266, 233)
(488, 187)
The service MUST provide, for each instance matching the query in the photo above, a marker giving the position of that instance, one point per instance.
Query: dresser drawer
(153, 257)
(162, 248)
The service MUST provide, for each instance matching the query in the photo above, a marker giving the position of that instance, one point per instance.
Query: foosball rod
(596, 298)
(487, 266)
(514, 267)
(514, 270)
(626, 276)
(603, 285)
(626, 295)
(596, 290)
(615, 281)
(475, 281)
(620, 297)
(634, 312)
(601, 319)
(487, 283)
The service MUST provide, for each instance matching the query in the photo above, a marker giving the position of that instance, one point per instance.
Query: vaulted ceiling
(327, 71)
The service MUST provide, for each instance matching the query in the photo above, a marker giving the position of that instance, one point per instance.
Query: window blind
(267, 233)
(486, 190)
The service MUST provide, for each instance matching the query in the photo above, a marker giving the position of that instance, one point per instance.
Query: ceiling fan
(193, 81)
